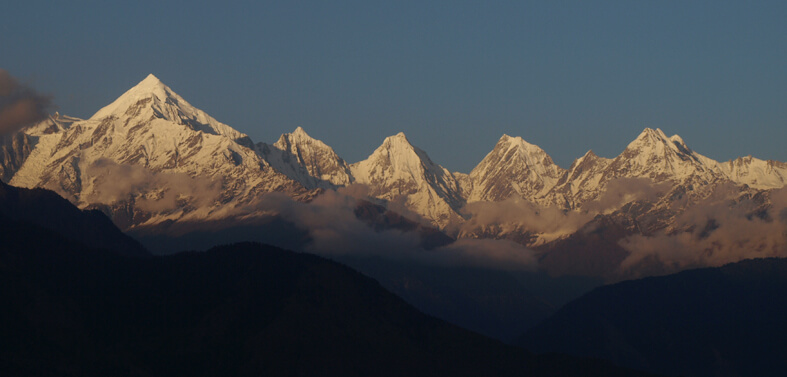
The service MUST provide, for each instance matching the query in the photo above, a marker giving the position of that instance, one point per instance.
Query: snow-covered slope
(151, 99)
(756, 173)
(306, 160)
(580, 183)
(658, 157)
(652, 157)
(400, 173)
(514, 168)
(152, 155)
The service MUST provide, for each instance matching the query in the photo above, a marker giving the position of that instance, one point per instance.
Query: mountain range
(81, 298)
(181, 165)
(476, 249)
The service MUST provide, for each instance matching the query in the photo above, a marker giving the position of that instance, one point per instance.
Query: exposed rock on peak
(756, 173)
(514, 168)
(307, 160)
(653, 155)
(397, 171)
(151, 99)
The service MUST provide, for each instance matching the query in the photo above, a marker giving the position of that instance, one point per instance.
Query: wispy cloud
(151, 191)
(521, 214)
(335, 230)
(719, 230)
(621, 191)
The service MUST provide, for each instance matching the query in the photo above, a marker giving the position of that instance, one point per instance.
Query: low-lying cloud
(621, 191)
(517, 213)
(329, 219)
(20, 105)
(334, 230)
(151, 191)
(728, 226)
(722, 229)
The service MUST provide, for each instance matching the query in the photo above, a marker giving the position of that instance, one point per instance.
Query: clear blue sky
(453, 75)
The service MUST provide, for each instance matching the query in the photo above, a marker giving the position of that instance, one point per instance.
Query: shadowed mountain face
(48, 210)
(726, 321)
(245, 309)
(499, 304)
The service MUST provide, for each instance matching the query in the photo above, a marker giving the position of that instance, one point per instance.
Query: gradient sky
(453, 75)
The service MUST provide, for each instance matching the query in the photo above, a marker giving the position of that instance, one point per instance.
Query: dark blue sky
(453, 75)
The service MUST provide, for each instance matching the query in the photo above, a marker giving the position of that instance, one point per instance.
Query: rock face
(14, 150)
(756, 173)
(582, 181)
(307, 160)
(514, 168)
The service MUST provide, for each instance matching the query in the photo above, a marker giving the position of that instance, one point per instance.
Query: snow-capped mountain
(402, 174)
(582, 181)
(514, 168)
(151, 100)
(658, 157)
(151, 155)
(306, 160)
(643, 190)
(652, 156)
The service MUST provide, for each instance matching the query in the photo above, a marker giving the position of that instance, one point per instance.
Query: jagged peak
(298, 134)
(656, 138)
(299, 131)
(588, 157)
(398, 136)
(516, 153)
(651, 138)
(299, 137)
(168, 105)
(511, 139)
(648, 132)
(150, 81)
(397, 141)
(518, 142)
(150, 86)
(743, 160)
(399, 147)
